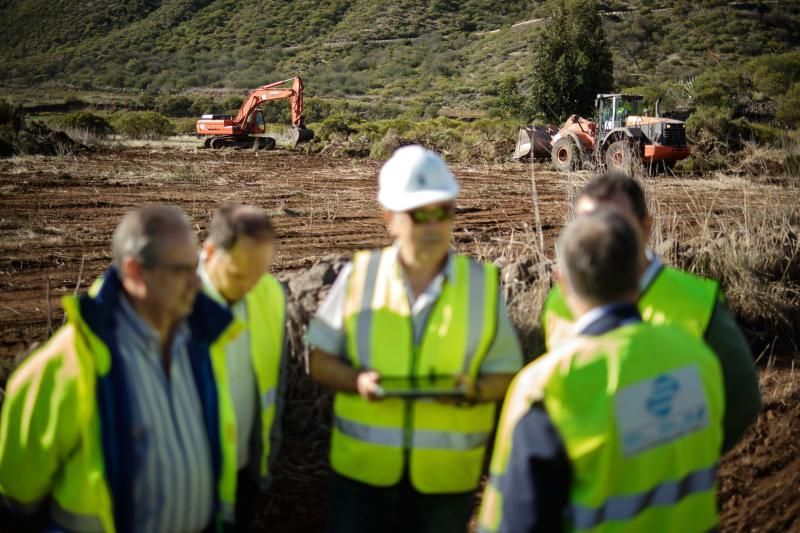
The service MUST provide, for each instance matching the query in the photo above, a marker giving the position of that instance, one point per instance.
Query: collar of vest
(611, 317)
(207, 320)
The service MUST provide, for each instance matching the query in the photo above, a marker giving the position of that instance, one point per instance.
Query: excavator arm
(275, 91)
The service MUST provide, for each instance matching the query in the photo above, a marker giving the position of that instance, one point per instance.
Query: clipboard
(421, 387)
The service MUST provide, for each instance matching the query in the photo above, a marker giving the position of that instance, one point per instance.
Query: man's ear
(209, 248)
(132, 275)
(388, 217)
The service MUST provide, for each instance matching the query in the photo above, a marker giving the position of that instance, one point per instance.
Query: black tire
(207, 143)
(217, 143)
(565, 155)
(624, 157)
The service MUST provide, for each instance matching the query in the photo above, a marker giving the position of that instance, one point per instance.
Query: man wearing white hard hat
(417, 344)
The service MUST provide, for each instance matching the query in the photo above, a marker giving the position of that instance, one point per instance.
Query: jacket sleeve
(39, 422)
(742, 394)
(535, 486)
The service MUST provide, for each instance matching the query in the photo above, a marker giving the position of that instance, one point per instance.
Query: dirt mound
(37, 138)
(759, 479)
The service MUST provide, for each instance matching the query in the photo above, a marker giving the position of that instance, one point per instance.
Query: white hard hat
(414, 177)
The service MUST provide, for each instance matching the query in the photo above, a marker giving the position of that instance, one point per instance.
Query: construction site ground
(57, 215)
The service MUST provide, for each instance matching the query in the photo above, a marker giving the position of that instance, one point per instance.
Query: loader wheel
(565, 155)
(624, 157)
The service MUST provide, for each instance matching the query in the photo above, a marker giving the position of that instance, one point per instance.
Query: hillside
(447, 52)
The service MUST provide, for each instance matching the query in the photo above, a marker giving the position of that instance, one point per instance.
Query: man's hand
(368, 385)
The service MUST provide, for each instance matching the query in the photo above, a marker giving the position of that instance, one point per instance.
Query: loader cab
(613, 109)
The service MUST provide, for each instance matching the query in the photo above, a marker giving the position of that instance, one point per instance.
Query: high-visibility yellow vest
(266, 316)
(52, 401)
(639, 410)
(443, 444)
(674, 297)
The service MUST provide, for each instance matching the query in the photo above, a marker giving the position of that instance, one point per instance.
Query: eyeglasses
(426, 214)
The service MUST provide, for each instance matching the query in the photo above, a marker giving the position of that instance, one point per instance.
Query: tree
(572, 62)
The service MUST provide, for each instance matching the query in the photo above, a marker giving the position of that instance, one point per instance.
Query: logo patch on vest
(660, 410)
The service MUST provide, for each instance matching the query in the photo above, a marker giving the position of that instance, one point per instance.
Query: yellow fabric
(266, 305)
(674, 297)
(443, 351)
(56, 445)
(577, 384)
(50, 401)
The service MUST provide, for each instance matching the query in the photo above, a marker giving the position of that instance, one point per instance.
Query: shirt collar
(208, 286)
(606, 317)
(653, 268)
(145, 331)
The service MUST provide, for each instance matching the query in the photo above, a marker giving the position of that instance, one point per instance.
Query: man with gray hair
(123, 420)
(620, 426)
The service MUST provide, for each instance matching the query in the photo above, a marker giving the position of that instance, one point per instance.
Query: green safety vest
(441, 445)
(266, 315)
(52, 399)
(639, 410)
(674, 297)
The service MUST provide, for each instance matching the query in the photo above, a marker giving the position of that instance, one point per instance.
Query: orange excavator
(248, 128)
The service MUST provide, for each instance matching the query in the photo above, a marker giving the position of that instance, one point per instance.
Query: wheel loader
(247, 129)
(621, 137)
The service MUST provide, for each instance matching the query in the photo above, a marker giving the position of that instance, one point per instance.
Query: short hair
(600, 254)
(604, 186)
(141, 232)
(230, 222)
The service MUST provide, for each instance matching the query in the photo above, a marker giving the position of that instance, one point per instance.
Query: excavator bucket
(301, 134)
(533, 141)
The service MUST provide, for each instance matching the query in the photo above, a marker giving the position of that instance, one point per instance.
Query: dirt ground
(57, 215)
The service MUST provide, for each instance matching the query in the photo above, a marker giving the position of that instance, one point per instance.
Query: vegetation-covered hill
(443, 52)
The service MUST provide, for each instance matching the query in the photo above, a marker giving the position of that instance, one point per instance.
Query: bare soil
(57, 215)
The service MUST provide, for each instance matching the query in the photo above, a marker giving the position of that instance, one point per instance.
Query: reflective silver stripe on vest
(477, 299)
(365, 315)
(627, 507)
(73, 521)
(439, 440)
(268, 398)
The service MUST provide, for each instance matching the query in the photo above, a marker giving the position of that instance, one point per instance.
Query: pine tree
(572, 62)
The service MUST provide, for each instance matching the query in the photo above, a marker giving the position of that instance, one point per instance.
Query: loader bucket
(301, 134)
(533, 140)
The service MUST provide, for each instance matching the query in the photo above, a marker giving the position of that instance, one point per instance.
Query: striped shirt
(172, 485)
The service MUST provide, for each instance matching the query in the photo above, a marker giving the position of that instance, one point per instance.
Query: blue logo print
(659, 403)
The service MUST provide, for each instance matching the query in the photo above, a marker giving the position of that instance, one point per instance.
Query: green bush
(89, 122)
(789, 107)
(143, 125)
(174, 106)
(773, 75)
(232, 104)
(203, 104)
(337, 124)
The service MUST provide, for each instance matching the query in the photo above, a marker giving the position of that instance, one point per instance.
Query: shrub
(88, 122)
(339, 123)
(143, 125)
(773, 75)
(232, 104)
(789, 107)
(174, 106)
(203, 104)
